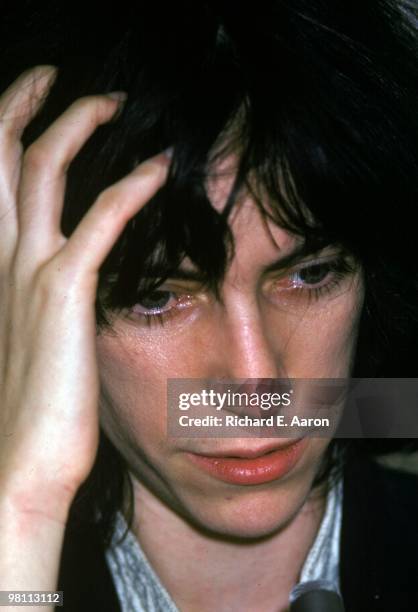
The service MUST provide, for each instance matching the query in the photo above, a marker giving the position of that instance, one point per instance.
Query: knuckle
(52, 283)
(63, 274)
(36, 156)
(109, 201)
(53, 274)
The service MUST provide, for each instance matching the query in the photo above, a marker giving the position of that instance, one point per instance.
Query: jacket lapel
(379, 539)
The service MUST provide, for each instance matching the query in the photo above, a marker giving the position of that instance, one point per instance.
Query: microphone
(315, 596)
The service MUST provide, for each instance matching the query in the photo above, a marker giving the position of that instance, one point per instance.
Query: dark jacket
(379, 548)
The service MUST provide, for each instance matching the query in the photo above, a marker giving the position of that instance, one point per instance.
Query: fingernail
(119, 96)
(49, 72)
(169, 152)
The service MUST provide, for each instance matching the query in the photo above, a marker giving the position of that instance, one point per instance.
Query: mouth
(250, 466)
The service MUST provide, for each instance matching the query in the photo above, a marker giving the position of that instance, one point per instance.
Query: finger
(18, 106)
(23, 99)
(44, 170)
(94, 237)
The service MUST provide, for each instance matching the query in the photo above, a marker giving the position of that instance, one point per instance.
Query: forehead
(246, 221)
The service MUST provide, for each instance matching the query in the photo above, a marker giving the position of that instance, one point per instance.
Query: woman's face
(273, 321)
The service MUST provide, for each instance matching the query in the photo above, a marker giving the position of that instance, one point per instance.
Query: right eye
(156, 302)
(156, 306)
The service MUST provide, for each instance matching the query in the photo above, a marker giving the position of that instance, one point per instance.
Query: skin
(263, 328)
(49, 417)
(49, 405)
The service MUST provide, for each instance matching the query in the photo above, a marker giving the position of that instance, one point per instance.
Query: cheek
(133, 372)
(132, 392)
(321, 343)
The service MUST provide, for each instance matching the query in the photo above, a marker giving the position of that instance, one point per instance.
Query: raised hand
(48, 371)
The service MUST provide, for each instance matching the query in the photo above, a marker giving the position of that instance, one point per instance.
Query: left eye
(311, 275)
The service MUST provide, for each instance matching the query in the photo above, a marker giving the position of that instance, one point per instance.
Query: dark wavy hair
(319, 98)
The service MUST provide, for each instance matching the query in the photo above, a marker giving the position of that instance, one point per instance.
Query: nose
(246, 349)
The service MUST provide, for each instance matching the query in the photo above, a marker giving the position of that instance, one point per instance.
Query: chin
(254, 515)
(255, 531)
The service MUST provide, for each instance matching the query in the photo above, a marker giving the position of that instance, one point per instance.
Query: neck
(251, 574)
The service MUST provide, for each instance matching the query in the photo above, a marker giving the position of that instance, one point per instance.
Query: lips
(249, 453)
(251, 466)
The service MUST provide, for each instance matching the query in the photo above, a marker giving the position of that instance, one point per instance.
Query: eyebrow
(301, 251)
